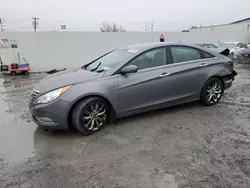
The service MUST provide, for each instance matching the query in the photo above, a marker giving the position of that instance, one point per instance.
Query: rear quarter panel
(219, 67)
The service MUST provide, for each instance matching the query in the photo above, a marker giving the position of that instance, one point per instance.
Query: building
(246, 20)
(238, 31)
(237, 26)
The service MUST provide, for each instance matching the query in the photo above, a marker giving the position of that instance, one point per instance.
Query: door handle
(203, 64)
(164, 74)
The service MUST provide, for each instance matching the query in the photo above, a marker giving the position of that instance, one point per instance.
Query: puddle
(16, 135)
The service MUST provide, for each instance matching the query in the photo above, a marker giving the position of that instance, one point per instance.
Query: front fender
(104, 88)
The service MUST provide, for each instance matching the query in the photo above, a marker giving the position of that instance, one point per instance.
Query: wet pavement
(187, 146)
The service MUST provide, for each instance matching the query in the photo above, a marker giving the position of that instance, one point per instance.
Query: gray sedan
(127, 81)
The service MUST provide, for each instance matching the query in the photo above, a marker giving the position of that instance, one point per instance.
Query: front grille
(34, 93)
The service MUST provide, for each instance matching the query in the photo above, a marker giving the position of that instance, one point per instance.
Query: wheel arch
(112, 114)
(203, 96)
(214, 76)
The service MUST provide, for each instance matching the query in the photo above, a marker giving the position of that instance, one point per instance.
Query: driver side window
(242, 45)
(238, 45)
(150, 59)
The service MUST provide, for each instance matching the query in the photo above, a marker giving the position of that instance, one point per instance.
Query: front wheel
(90, 115)
(12, 73)
(231, 56)
(212, 92)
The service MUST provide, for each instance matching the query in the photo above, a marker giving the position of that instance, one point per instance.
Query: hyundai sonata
(127, 81)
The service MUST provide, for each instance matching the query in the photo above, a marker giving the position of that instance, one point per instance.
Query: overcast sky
(168, 15)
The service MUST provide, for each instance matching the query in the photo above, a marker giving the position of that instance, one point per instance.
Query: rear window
(182, 54)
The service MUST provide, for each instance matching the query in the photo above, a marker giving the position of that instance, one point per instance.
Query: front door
(147, 87)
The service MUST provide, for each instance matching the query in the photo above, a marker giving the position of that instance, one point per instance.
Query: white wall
(49, 50)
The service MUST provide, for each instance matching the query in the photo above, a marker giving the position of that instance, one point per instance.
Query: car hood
(65, 78)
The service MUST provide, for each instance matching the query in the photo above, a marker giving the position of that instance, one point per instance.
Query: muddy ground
(188, 146)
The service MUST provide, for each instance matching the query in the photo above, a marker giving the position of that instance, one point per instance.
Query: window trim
(199, 50)
(147, 69)
(192, 61)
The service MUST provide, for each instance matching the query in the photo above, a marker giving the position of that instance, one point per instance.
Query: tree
(111, 27)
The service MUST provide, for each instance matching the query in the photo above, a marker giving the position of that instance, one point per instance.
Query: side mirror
(129, 69)
(237, 47)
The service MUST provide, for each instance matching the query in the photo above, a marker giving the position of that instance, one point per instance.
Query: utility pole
(35, 23)
(152, 26)
(1, 24)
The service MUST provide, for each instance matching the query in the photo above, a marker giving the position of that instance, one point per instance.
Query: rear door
(188, 72)
(146, 87)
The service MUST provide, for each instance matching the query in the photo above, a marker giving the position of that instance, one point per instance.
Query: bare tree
(122, 29)
(111, 27)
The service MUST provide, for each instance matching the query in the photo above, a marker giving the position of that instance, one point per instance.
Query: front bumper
(53, 115)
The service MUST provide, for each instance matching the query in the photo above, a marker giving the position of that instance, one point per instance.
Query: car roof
(230, 42)
(146, 46)
(205, 44)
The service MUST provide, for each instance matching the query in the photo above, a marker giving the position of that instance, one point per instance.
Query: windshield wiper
(96, 67)
(100, 70)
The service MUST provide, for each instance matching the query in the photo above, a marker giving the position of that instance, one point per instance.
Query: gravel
(187, 146)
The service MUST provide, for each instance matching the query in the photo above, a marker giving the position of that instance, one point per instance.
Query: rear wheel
(25, 73)
(90, 115)
(212, 92)
(12, 73)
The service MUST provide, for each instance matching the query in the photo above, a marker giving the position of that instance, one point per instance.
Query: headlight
(52, 95)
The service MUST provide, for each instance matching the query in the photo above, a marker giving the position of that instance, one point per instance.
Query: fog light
(44, 119)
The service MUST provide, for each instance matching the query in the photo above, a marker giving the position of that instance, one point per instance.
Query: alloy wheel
(231, 56)
(94, 116)
(213, 92)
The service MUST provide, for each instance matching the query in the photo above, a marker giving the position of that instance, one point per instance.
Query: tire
(12, 73)
(212, 92)
(86, 112)
(231, 56)
(26, 73)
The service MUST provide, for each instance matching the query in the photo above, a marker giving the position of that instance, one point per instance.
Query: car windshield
(211, 46)
(110, 60)
(229, 45)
